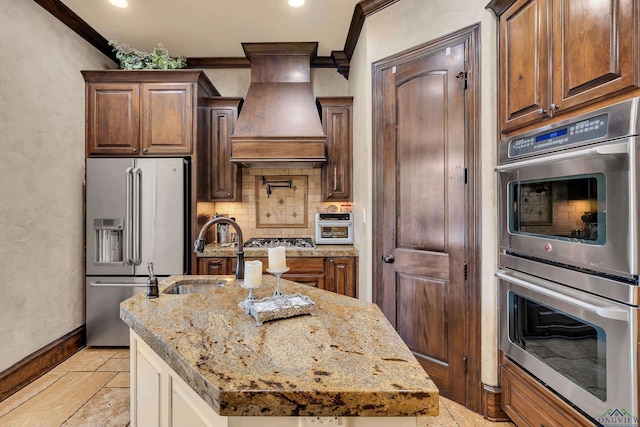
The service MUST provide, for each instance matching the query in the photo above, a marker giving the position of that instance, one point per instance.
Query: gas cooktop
(287, 242)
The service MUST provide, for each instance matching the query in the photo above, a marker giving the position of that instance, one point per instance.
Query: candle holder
(277, 293)
(248, 302)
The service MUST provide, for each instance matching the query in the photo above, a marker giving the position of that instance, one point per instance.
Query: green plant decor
(133, 59)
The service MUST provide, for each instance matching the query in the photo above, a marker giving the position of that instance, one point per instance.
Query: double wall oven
(569, 248)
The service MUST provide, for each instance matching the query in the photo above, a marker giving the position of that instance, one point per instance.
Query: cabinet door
(337, 172)
(146, 384)
(214, 266)
(524, 64)
(342, 276)
(113, 118)
(185, 410)
(167, 118)
(317, 280)
(224, 176)
(593, 52)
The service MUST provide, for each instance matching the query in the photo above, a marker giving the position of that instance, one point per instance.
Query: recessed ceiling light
(121, 3)
(296, 3)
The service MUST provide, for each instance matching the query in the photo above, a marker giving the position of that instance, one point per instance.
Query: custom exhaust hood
(279, 125)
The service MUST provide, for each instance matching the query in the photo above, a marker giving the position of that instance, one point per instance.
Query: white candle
(253, 274)
(277, 259)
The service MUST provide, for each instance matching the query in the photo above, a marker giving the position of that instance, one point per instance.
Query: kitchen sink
(199, 285)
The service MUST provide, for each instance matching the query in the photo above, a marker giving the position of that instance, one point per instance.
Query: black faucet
(198, 245)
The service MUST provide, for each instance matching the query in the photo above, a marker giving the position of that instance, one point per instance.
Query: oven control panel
(574, 133)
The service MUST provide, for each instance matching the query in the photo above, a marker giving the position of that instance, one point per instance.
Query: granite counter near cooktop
(346, 361)
(213, 250)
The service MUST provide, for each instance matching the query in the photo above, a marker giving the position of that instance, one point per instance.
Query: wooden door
(422, 222)
(593, 50)
(524, 64)
(113, 118)
(167, 118)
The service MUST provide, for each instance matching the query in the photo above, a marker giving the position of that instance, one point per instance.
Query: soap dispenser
(152, 282)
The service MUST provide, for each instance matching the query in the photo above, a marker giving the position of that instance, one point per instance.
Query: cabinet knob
(144, 150)
(542, 111)
(389, 259)
(228, 194)
(554, 107)
(134, 150)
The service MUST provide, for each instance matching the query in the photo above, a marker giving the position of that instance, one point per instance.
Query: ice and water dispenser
(108, 240)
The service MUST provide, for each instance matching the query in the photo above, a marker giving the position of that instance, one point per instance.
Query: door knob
(388, 259)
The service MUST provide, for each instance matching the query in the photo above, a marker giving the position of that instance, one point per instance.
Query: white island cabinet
(198, 360)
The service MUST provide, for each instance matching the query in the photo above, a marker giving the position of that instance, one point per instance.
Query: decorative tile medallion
(285, 207)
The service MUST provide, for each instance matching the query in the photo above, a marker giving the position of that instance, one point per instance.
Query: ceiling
(216, 28)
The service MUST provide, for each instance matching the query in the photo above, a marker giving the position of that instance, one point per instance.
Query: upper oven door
(575, 207)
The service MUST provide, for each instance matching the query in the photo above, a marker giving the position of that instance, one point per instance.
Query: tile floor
(91, 389)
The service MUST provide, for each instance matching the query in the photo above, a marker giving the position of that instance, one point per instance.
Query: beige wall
(41, 178)
(401, 26)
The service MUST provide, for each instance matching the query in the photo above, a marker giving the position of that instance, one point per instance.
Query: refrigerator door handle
(137, 176)
(128, 226)
(99, 284)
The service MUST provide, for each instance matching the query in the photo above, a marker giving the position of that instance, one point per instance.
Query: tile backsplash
(286, 213)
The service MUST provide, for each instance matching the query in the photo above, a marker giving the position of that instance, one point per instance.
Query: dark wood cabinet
(335, 274)
(143, 112)
(214, 266)
(166, 118)
(342, 276)
(529, 403)
(337, 123)
(557, 55)
(524, 64)
(221, 179)
(113, 118)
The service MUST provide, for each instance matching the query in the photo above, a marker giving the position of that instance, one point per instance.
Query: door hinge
(464, 270)
(462, 75)
(464, 364)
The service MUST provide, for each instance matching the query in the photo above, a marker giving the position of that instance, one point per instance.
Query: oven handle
(606, 312)
(334, 223)
(605, 150)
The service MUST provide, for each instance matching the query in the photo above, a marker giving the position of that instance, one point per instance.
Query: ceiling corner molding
(341, 62)
(362, 10)
(77, 24)
(499, 6)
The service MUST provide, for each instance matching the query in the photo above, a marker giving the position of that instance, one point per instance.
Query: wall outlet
(323, 421)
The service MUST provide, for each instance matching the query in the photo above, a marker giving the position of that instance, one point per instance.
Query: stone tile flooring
(91, 389)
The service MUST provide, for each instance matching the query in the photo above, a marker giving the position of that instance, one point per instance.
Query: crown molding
(499, 6)
(77, 24)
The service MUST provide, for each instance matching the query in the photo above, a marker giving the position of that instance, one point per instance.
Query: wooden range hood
(279, 125)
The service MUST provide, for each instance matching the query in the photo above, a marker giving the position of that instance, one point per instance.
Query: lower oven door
(581, 346)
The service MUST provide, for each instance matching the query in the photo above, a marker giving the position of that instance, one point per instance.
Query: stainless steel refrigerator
(136, 212)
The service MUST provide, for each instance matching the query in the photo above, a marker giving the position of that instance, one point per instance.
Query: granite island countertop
(345, 361)
(214, 250)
